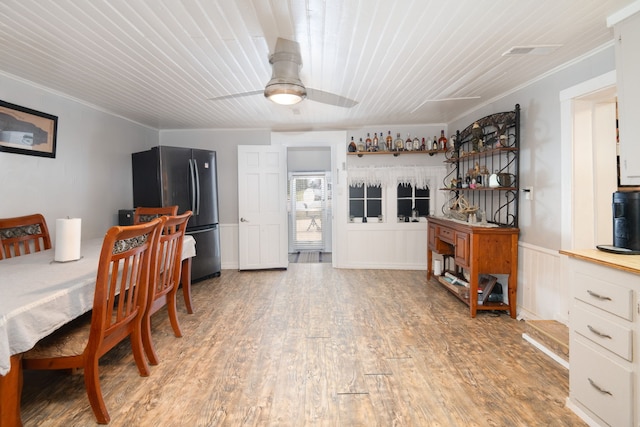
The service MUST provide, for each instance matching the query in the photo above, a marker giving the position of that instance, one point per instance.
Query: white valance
(417, 176)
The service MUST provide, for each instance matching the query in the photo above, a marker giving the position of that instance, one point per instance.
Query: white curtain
(390, 176)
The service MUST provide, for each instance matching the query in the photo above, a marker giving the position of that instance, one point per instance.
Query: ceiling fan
(285, 86)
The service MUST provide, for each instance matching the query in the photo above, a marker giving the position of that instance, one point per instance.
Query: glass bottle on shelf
(381, 145)
(389, 141)
(399, 143)
(434, 145)
(352, 146)
(408, 144)
(361, 146)
(374, 142)
(442, 141)
(367, 142)
(423, 147)
(416, 144)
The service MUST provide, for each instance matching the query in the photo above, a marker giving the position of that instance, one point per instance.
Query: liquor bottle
(352, 146)
(381, 145)
(442, 141)
(434, 145)
(374, 142)
(399, 143)
(367, 142)
(429, 144)
(423, 147)
(361, 146)
(416, 144)
(408, 144)
(389, 141)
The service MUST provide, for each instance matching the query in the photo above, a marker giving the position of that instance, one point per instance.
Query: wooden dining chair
(144, 213)
(119, 303)
(165, 280)
(23, 235)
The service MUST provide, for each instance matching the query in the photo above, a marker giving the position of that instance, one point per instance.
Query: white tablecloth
(38, 295)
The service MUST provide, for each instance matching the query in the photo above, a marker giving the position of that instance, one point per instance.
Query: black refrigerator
(165, 176)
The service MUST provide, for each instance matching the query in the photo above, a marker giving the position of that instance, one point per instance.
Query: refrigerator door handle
(193, 186)
(197, 173)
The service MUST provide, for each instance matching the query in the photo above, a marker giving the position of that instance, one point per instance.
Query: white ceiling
(157, 62)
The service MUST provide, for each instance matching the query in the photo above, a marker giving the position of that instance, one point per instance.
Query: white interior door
(262, 207)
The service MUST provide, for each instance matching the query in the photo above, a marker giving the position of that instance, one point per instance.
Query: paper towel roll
(437, 267)
(67, 239)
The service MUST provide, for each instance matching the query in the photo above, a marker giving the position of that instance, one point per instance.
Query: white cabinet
(627, 39)
(603, 350)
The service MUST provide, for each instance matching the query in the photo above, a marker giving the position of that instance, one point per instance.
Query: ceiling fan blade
(236, 95)
(330, 98)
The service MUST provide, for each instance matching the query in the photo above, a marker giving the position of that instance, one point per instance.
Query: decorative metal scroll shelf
(491, 145)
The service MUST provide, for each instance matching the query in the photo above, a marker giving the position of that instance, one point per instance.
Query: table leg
(10, 392)
(185, 279)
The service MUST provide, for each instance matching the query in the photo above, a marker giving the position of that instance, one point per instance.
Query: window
(365, 201)
(410, 197)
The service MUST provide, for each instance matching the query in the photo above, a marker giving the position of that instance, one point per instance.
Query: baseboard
(582, 414)
(545, 350)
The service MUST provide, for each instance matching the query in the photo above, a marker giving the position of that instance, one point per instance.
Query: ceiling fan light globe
(285, 94)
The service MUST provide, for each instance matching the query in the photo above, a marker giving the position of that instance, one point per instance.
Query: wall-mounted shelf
(394, 153)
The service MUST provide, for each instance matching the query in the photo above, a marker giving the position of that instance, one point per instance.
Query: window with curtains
(410, 197)
(365, 201)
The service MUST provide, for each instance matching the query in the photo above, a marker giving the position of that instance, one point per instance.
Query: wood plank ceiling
(158, 62)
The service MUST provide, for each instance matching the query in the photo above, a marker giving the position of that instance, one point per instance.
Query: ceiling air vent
(531, 50)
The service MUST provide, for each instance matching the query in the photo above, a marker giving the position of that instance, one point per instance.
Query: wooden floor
(320, 346)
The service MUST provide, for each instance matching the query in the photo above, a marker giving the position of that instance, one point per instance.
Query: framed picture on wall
(27, 131)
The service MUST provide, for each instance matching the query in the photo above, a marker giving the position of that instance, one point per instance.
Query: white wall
(90, 177)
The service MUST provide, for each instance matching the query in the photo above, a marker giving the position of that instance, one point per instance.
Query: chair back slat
(23, 235)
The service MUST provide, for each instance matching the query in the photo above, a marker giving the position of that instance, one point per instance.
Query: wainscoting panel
(541, 294)
(399, 246)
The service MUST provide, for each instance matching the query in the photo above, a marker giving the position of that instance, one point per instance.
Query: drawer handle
(597, 332)
(600, 297)
(597, 387)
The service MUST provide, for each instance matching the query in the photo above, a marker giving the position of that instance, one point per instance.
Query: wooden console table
(480, 250)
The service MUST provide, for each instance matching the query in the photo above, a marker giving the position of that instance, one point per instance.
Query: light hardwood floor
(320, 346)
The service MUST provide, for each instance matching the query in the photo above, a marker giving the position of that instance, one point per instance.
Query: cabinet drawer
(600, 384)
(446, 234)
(604, 295)
(612, 335)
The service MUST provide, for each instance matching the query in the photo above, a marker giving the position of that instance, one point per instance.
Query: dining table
(37, 296)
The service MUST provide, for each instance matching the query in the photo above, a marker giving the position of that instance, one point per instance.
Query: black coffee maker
(626, 220)
(626, 224)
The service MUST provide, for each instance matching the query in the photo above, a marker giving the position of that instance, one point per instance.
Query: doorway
(309, 211)
(588, 124)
